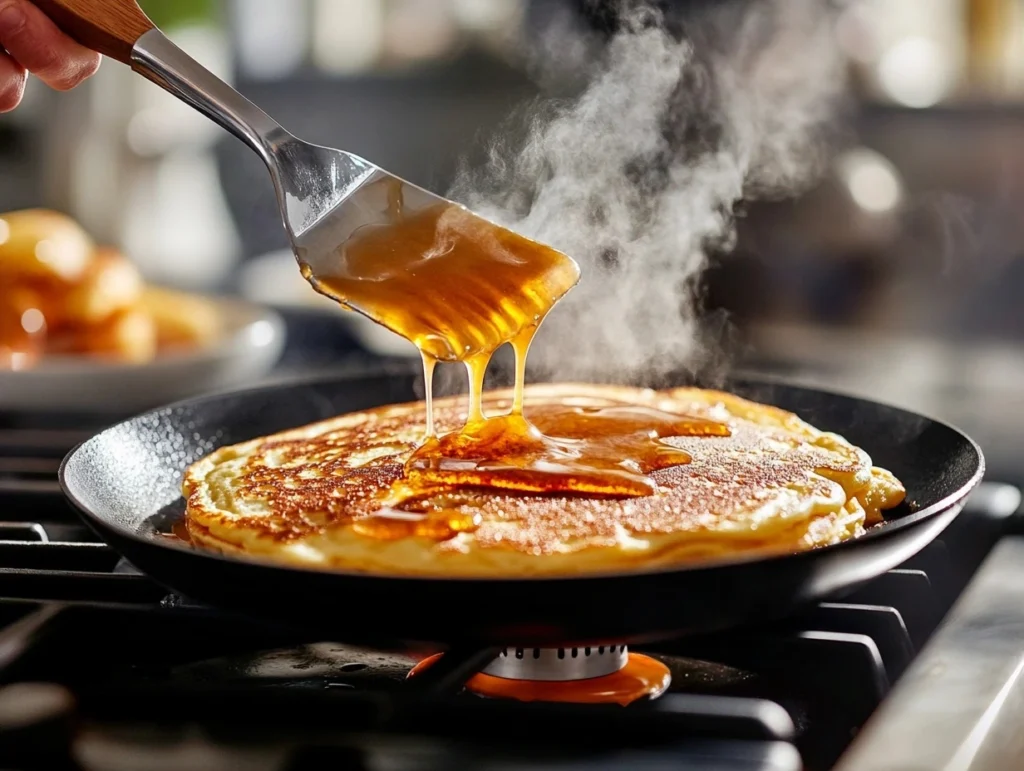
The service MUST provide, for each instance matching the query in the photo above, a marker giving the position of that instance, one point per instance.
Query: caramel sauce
(459, 287)
(392, 524)
(454, 284)
(642, 677)
(608, 451)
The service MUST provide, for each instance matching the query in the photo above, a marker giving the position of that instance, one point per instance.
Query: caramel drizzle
(429, 362)
(459, 288)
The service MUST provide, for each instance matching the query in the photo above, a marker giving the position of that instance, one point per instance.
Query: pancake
(334, 495)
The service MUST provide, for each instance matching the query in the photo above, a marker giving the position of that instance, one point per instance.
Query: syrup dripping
(453, 284)
(429, 362)
(459, 287)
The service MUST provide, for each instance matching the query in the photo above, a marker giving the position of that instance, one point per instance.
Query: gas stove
(103, 669)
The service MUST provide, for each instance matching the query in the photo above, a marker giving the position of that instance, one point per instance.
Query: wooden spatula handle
(110, 27)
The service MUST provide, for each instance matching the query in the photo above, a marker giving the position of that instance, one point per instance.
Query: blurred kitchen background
(898, 277)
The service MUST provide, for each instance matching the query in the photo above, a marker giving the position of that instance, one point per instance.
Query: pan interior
(128, 477)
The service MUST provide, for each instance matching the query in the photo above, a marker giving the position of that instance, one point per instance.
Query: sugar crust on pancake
(777, 484)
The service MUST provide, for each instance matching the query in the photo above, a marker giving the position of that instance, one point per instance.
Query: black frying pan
(126, 480)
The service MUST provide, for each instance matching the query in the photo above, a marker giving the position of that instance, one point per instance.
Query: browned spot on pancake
(309, 485)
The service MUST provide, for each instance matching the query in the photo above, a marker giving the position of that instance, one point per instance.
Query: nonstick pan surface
(126, 483)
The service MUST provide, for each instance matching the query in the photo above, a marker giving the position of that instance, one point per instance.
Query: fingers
(38, 45)
(12, 83)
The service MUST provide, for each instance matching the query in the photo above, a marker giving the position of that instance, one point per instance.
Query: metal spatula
(324, 194)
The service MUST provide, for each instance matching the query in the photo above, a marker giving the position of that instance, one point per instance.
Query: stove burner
(598, 674)
(558, 664)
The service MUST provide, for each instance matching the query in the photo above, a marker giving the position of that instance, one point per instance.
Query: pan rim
(102, 525)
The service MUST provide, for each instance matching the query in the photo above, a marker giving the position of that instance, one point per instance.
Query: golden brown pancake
(334, 495)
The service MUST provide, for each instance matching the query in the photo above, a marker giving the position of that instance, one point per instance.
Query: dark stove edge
(963, 696)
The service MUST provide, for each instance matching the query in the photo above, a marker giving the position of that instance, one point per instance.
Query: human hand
(30, 42)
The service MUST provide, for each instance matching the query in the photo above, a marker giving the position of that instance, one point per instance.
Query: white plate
(252, 343)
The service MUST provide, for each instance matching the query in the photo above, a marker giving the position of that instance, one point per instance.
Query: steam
(637, 177)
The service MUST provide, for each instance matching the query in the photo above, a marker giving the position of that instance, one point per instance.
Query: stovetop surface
(102, 669)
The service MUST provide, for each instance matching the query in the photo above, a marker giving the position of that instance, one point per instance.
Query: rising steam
(637, 177)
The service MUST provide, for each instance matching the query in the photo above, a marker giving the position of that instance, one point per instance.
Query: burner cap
(558, 664)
